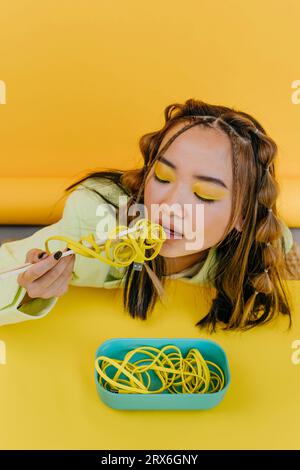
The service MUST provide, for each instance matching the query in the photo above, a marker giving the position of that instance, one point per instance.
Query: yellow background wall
(85, 79)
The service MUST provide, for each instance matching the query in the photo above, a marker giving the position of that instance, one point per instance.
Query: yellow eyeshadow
(163, 172)
(203, 189)
(209, 190)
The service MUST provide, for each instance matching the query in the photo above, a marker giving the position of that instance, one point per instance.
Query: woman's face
(195, 191)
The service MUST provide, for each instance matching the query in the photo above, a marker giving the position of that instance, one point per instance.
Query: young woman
(206, 156)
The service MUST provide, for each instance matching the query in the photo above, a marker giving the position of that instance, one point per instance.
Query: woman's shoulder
(94, 191)
(91, 207)
(287, 237)
(91, 200)
(104, 187)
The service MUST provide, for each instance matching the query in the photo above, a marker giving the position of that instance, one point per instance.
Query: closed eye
(204, 199)
(160, 181)
(197, 196)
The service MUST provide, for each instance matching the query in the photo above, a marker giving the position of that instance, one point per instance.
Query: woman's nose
(172, 208)
(174, 200)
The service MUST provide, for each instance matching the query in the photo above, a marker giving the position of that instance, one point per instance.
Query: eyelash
(209, 201)
(160, 181)
(204, 200)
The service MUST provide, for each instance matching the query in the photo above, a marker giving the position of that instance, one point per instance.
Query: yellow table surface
(48, 399)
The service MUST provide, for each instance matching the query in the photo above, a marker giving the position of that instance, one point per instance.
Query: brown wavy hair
(250, 264)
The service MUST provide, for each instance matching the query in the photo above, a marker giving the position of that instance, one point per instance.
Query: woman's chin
(171, 249)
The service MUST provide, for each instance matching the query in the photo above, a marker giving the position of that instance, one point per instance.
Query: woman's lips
(171, 234)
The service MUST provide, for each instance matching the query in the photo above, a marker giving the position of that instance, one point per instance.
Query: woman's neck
(178, 264)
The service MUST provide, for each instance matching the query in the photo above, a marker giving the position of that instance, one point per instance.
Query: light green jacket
(80, 217)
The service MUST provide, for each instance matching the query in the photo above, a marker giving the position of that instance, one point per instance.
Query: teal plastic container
(117, 348)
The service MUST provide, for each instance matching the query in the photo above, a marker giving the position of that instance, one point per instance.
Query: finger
(35, 255)
(56, 289)
(43, 283)
(42, 267)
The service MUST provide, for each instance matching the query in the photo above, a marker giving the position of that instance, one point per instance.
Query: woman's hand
(48, 277)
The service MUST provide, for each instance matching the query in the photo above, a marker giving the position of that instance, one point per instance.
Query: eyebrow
(199, 177)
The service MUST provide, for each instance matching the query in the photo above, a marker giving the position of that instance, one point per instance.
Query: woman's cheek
(151, 196)
(215, 221)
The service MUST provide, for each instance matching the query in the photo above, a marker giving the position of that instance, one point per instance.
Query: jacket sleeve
(79, 218)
